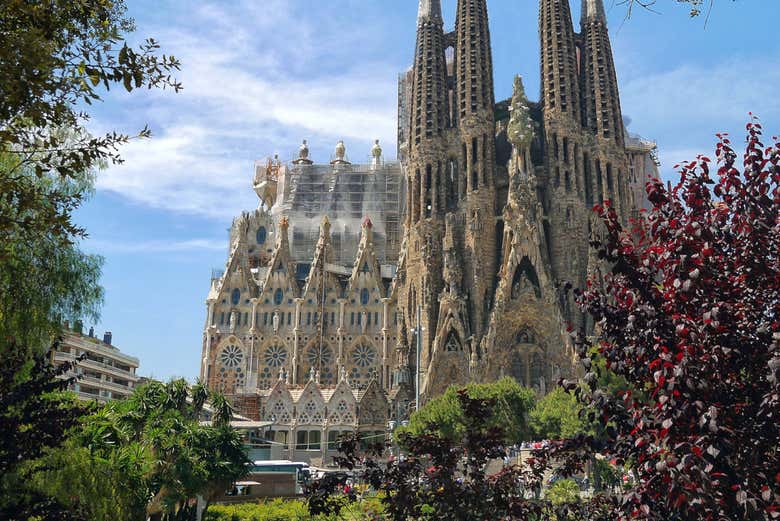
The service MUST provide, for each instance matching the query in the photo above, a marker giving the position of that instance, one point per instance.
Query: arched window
(262, 235)
(278, 297)
(235, 297)
(453, 343)
(364, 296)
(525, 280)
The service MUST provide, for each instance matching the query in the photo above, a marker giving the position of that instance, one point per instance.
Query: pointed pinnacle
(593, 10)
(429, 11)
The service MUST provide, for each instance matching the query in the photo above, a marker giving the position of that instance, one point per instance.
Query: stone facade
(468, 239)
(518, 184)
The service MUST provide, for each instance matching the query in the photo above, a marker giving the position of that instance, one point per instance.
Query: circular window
(278, 297)
(364, 296)
(364, 356)
(262, 235)
(232, 356)
(314, 358)
(275, 356)
(235, 297)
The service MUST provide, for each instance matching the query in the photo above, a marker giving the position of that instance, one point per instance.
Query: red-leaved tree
(690, 317)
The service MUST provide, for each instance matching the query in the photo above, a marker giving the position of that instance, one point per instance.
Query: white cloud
(253, 86)
(685, 107)
(678, 103)
(156, 246)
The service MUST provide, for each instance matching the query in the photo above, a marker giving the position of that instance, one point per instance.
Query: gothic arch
(525, 279)
(279, 408)
(322, 360)
(231, 361)
(373, 406)
(273, 356)
(362, 362)
(342, 405)
(310, 406)
(453, 343)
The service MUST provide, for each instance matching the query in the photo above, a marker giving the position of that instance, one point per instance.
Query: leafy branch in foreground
(689, 315)
(54, 56)
(34, 418)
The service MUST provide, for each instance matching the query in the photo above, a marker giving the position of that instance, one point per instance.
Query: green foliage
(149, 446)
(105, 487)
(557, 416)
(286, 510)
(563, 491)
(43, 277)
(607, 475)
(53, 56)
(34, 417)
(512, 404)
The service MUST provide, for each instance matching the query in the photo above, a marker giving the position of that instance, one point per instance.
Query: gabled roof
(280, 260)
(323, 255)
(366, 262)
(311, 388)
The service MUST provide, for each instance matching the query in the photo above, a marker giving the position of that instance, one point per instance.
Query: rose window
(315, 356)
(232, 356)
(275, 356)
(364, 356)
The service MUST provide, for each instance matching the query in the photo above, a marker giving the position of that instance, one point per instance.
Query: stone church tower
(456, 254)
(501, 211)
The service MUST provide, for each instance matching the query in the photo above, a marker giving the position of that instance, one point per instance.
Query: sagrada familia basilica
(353, 287)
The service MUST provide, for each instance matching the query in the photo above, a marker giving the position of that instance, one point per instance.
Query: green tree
(148, 456)
(34, 417)
(557, 416)
(512, 404)
(54, 55)
(44, 278)
(562, 492)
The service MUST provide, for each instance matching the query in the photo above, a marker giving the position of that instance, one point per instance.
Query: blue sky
(260, 75)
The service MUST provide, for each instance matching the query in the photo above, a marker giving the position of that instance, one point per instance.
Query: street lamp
(418, 335)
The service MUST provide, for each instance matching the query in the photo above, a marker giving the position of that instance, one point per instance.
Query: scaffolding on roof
(347, 194)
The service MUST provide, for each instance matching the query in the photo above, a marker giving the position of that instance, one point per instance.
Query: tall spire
(593, 9)
(601, 99)
(475, 107)
(428, 111)
(429, 11)
(474, 59)
(560, 75)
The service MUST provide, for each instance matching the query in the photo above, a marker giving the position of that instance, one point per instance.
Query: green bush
(285, 510)
(563, 491)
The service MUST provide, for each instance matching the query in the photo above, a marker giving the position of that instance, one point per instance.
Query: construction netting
(347, 194)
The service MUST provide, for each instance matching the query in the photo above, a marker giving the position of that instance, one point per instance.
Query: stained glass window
(232, 356)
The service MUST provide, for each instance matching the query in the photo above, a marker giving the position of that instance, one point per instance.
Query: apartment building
(105, 373)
